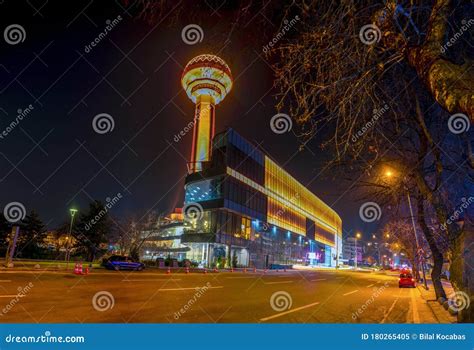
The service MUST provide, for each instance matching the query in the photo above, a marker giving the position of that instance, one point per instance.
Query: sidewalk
(428, 299)
(42, 265)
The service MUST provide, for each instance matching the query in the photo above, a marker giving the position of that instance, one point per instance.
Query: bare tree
(402, 240)
(335, 86)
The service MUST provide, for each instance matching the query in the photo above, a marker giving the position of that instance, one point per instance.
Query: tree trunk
(460, 274)
(416, 268)
(440, 76)
(438, 259)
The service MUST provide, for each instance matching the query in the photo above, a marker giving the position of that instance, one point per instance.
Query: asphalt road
(153, 296)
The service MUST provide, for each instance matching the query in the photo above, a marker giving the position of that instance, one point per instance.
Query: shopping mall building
(240, 206)
(255, 210)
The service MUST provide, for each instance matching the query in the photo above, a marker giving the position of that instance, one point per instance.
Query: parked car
(119, 262)
(406, 280)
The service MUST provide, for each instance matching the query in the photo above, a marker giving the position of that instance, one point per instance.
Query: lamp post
(358, 235)
(389, 174)
(374, 237)
(417, 244)
(68, 240)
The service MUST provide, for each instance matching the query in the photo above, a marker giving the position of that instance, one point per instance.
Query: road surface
(315, 296)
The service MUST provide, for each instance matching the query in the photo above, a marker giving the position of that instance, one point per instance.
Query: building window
(205, 190)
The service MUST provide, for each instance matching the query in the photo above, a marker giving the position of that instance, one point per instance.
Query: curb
(428, 303)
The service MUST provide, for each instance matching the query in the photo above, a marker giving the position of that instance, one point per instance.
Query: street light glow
(389, 173)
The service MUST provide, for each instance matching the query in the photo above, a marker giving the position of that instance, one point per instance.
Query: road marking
(190, 288)
(354, 291)
(389, 311)
(241, 277)
(279, 282)
(318, 279)
(370, 285)
(153, 280)
(289, 311)
(338, 278)
(4, 281)
(416, 315)
(9, 296)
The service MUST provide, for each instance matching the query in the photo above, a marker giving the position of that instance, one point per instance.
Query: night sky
(54, 159)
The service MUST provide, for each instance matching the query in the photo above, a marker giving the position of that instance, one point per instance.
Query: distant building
(349, 250)
(165, 240)
(58, 241)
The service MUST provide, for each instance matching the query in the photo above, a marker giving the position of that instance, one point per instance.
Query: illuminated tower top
(207, 81)
(207, 75)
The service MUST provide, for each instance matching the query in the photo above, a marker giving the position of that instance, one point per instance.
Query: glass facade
(259, 211)
(204, 190)
(301, 202)
(244, 199)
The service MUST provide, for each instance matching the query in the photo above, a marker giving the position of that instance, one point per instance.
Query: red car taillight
(413, 280)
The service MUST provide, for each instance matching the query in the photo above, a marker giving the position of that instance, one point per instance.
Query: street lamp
(357, 236)
(389, 174)
(68, 239)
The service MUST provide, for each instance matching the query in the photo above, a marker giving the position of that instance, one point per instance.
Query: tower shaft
(204, 129)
